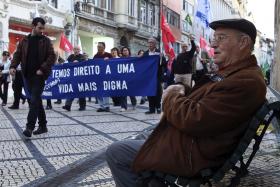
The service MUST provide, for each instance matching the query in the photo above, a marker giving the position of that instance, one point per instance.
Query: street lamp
(68, 22)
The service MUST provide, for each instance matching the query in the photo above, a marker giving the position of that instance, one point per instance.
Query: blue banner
(114, 77)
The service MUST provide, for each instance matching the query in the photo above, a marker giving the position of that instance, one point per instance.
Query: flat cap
(242, 25)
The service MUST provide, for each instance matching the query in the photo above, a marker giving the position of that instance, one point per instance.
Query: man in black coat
(36, 55)
(75, 58)
(182, 65)
(155, 101)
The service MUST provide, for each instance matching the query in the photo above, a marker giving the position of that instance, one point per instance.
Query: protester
(4, 76)
(36, 55)
(116, 54)
(182, 66)
(143, 98)
(125, 51)
(86, 59)
(201, 126)
(61, 61)
(200, 61)
(154, 101)
(75, 58)
(103, 101)
(140, 53)
(17, 86)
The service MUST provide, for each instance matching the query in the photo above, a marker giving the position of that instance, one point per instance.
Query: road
(72, 152)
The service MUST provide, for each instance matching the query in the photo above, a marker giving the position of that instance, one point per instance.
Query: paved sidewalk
(72, 152)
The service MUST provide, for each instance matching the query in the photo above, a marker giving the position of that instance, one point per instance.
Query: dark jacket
(183, 63)
(201, 129)
(162, 65)
(46, 55)
(74, 57)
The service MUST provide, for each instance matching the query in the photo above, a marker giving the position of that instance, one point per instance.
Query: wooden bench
(235, 162)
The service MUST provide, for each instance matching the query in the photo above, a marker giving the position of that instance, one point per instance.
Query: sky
(263, 12)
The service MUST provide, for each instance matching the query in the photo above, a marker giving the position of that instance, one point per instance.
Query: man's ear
(244, 42)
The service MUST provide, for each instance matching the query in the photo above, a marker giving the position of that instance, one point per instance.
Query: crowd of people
(29, 64)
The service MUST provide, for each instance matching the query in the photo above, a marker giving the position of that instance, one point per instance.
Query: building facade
(117, 23)
(172, 11)
(16, 17)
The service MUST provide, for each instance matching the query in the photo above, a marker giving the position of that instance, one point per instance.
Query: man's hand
(13, 71)
(75, 61)
(173, 88)
(106, 58)
(39, 72)
(192, 37)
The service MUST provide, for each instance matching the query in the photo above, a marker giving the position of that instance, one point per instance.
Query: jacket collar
(251, 61)
(220, 75)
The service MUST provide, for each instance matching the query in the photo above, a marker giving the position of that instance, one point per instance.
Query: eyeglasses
(219, 38)
(5, 55)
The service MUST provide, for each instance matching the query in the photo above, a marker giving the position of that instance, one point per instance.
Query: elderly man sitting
(202, 125)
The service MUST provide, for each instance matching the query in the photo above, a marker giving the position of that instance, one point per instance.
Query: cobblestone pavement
(72, 152)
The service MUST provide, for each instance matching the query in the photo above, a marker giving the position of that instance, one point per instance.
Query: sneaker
(100, 110)
(4, 104)
(57, 102)
(27, 133)
(150, 112)
(13, 107)
(40, 130)
(106, 109)
(122, 110)
(82, 109)
(66, 108)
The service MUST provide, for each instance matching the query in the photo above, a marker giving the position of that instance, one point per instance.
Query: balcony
(91, 10)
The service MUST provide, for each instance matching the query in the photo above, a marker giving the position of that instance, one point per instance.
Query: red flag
(65, 44)
(167, 40)
(204, 45)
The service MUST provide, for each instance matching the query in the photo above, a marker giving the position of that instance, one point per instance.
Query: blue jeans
(103, 102)
(120, 156)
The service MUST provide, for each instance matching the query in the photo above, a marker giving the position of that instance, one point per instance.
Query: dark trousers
(49, 102)
(124, 101)
(35, 86)
(4, 91)
(17, 88)
(155, 101)
(116, 101)
(82, 102)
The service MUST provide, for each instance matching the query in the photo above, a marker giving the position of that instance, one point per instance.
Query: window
(187, 7)
(131, 6)
(109, 5)
(53, 3)
(143, 12)
(50, 2)
(94, 2)
(172, 18)
(152, 17)
(185, 26)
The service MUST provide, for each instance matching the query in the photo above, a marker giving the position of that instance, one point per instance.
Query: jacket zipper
(190, 155)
